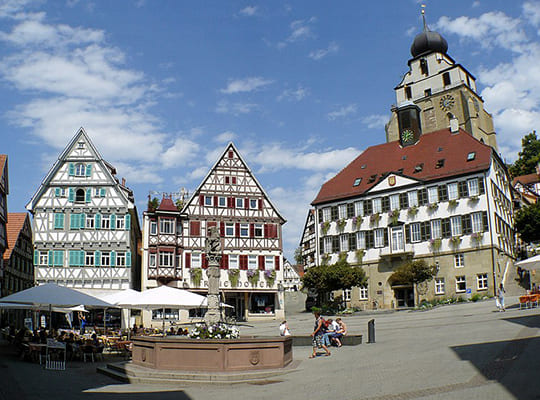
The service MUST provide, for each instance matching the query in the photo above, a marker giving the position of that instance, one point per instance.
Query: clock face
(446, 102)
(407, 136)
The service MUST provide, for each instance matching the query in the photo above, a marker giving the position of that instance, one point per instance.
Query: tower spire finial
(424, 17)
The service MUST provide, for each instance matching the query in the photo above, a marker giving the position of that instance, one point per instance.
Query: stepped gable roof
(14, 226)
(167, 205)
(526, 179)
(381, 160)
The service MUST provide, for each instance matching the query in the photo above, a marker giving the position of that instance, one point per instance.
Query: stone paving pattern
(462, 351)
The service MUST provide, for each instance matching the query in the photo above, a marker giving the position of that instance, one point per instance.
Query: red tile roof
(14, 226)
(526, 179)
(167, 205)
(378, 161)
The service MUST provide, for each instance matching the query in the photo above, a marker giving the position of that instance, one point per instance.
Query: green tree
(528, 157)
(298, 256)
(153, 204)
(414, 272)
(338, 276)
(527, 223)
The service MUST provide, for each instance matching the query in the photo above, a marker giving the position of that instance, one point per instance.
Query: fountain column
(213, 255)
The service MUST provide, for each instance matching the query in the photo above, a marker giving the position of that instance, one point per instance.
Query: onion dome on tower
(428, 42)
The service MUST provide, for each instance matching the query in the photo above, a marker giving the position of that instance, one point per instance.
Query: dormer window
(400, 171)
(440, 163)
(357, 181)
(439, 149)
(372, 178)
(363, 166)
(419, 168)
(424, 67)
(471, 156)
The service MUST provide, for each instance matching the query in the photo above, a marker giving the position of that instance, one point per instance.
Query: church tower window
(446, 78)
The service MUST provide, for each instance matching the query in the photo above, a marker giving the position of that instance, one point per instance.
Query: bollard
(371, 331)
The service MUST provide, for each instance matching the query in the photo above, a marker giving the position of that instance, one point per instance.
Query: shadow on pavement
(512, 363)
(177, 395)
(530, 321)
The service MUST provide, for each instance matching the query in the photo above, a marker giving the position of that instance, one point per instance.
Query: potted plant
(453, 203)
(325, 226)
(359, 255)
(196, 276)
(357, 221)
(412, 211)
(435, 244)
(393, 216)
(374, 219)
(325, 258)
(474, 199)
(270, 277)
(477, 237)
(234, 277)
(455, 241)
(343, 256)
(341, 223)
(253, 276)
(433, 207)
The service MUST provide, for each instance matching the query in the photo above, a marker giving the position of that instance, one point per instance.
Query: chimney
(454, 125)
(123, 181)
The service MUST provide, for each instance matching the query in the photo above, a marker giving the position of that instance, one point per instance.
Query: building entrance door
(404, 296)
(237, 301)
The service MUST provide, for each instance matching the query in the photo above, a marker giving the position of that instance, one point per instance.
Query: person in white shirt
(284, 329)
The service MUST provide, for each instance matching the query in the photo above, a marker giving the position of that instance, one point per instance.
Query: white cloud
(531, 11)
(248, 11)
(225, 107)
(245, 85)
(293, 94)
(375, 121)
(181, 152)
(321, 53)
(225, 137)
(199, 172)
(300, 30)
(138, 173)
(343, 112)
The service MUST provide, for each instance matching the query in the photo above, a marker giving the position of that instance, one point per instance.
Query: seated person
(340, 332)
(331, 328)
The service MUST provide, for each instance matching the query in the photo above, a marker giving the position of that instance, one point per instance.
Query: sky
(300, 87)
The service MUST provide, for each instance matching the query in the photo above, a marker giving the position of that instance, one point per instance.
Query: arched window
(80, 196)
(80, 170)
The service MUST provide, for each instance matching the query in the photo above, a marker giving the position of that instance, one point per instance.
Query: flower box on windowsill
(412, 211)
(325, 226)
(435, 244)
(455, 241)
(432, 207)
(453, 204)
(341, 223)
(374, 219)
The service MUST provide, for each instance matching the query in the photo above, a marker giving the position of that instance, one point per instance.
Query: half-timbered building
(230, 198)
(85, 223)
(4, 190)
(307, 243)
(18, 263)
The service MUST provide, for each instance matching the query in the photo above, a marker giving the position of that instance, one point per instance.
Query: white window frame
(90, 222)
(89, 259)
(208, 201)
(344, 242)
(459, 260)
(229, 229)
(394, 202)
(342, 211)
(477, 222)
(269, 264)
(222, 201)
(153, 228)
(166, 259)
(413, 198)
(439, 285)
(244, 230)
(196, 260)
(433, 194)
(359, 208)
(105, 259)
(121, 259)
(327, 244)
(105, 222)
(363, 293)
(416, 235)
(234, 262)
(253, 204)
(120, 224)
(43, 258)
(474, 188)
(346, 294)
(452, 189)
(326, 213)
(252, 262)
(377, 205)
(258, 230)
(379, 237)
(461, 279)
(80, 170)
(360, 240)
(240, 202)
(167, 226)
(481, 281)
(455, 225)
(436, 229)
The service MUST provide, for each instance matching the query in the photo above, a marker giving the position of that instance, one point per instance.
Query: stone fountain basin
(184, 354)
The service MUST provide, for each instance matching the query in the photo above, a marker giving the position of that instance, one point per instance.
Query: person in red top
(318, 336)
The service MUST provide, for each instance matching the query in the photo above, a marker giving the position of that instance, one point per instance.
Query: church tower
(435, 91)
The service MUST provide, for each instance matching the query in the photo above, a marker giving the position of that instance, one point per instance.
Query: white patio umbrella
(530, 263)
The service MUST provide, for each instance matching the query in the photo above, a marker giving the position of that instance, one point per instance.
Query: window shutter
(403, 200)
(463, 190)
(443, 193)
(113, 258)
(204, 261)
(246, 203)
(113, 221)
(88, 195)
(127, 222)
(243, 262)
(265, 229)
(485, 221)
(222, 229)
(98, 221)
(385, 204)
(128, 258)
(225, 261)
(237, 229)
(261, 263)
(50, 261)
(276, 263)
(352, 241)
(260, 204)
(71, 169)
(194, 228)
(422, 197)
(334, 213)
(188, 260)
(215, 201)
(71, 195)
(481, 188)
(446, 231)
(251, 230)
(81, 257)
(386, 238)
(350, 210)
(97, 258)
(425, 229)
(335, 244)
(229, 205)
(466, 224)
(320, 215)
(36, 257)
(201, 200)
(57, 192)
(89, 170)
(370, 239)
(73, 221)
(102, 192)
(408, 233)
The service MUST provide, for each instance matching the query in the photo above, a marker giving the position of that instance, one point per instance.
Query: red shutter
(188, 260)
(229, 202)
(233, 202)
(225, 261)
(227, 179)
(260, 204)
(222, 229)
(210, 224)
(266, 226)
(246, 203)
(234, 180)
(276, 263)
(251, 230)
(215, 201)
(231, 154)
(195, 228)
(201, 200)
(203, 261)
(261, 263)
(237, 229)
(243, 262)
(275, 231)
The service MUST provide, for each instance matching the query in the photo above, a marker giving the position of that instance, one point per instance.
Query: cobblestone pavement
(450, 352)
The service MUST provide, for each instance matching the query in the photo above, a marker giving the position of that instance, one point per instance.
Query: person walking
(318, 336)
(500, 297)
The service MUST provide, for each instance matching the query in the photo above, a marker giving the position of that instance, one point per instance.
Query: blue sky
(301, 87)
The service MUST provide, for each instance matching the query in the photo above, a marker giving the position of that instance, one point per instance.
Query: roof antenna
(424, 17)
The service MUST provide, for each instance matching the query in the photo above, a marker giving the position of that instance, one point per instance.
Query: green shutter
(71, 169)
(98, 221)
(97, 258)
(71, 197)
(89, 170)
(74, 221)
(88, 195)
(102, 192)
(81, 257)
(50, 261)
(127, 222)
(73, 257)
(58, 258)
(113, 221)
(58, 221)
(36, 257)
(57, 192)
(128, 258)
(113, 259)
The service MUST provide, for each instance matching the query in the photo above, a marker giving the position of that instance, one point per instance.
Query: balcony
(404, 252)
